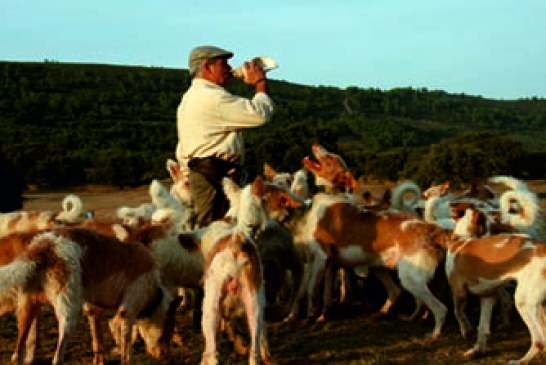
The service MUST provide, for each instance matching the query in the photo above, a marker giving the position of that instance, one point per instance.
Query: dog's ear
(258, 187)
(188, 242)
(444, 188)
(350, 181)
(121, 232)
(231, 189)
(269, 172)
(174, 169)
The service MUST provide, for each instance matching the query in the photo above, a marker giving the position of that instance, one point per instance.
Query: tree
(11, 187)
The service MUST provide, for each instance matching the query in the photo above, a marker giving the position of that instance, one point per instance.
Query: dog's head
(180, 188)
(280, 201)
(329, 169)
(156, 328)
(283, 179)
(469, 220)
(436, 191)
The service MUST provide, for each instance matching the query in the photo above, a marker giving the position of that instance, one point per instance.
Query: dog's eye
(283, 200)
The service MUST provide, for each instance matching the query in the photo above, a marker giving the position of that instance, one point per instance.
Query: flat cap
(203, 53)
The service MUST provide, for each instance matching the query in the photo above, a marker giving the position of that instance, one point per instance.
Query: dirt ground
(353, 335)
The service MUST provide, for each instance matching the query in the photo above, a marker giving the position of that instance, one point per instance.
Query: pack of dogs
(286, 240)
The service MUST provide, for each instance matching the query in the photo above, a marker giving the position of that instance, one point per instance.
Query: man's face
(218, 71)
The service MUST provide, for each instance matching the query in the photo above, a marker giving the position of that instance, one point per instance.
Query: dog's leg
(343, 285)
(299, 286)
(67, 313)
(32, 342)
(393, 291)
(171, 320)
(255, 323)
(329, 273)
(418, 308)
(122, 328)
(529, 306)
(459, 303)
(415, 281)
(229, 326)
(505, 306)
(211, 318)
(126, 330)
(317, 266)
(197, 307)
(264, 347)
(486, 309)
(27, 310)
(93, 317)
(296, 270)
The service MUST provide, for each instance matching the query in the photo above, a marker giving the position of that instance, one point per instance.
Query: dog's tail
(520, 209)
(510, 182)
(72, 210)
(135, 216)
(405, 196)
(48, 259)
(161, 196)
(16, 273)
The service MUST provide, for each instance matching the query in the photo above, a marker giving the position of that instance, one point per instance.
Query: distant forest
(65, 125)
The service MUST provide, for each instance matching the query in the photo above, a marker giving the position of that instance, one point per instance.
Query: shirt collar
(198, 81)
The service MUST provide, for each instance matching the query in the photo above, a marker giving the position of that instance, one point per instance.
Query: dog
(518, 212)
(483, 265)
(135, 216)
(405, 197)
(279, 256)
(182, 255)
(73, 268)
(283, 179)
(233, 269)
(336, 181)
(24, 221)
(297, 183)
(335, 231)
(180, 188)
(330, 171)
(181, 263)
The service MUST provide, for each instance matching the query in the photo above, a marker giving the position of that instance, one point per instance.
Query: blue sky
(492, 48)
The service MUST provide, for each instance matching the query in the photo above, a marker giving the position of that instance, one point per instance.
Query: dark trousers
(206, 174)
(209, 201)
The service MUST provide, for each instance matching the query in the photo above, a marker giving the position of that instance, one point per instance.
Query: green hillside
(70, 124)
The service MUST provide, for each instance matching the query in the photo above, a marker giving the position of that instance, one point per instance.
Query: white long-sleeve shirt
(210, 120)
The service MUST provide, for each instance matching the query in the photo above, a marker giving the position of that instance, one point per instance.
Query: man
(210, 121)
(210, 141)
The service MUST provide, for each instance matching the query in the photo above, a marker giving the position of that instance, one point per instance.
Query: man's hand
(253, 73)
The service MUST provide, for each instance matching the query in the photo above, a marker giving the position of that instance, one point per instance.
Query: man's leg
(203, 195)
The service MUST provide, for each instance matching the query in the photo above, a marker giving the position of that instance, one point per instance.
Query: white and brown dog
(70, 267)
(335, 231)
(180, 187)
(297, 182)
(483, 265)
(332, 176)
(233, 270)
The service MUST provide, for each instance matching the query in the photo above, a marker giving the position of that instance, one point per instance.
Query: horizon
(486, 48)
(540, 98)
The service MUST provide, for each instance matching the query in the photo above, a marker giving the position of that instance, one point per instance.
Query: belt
(215, 169)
